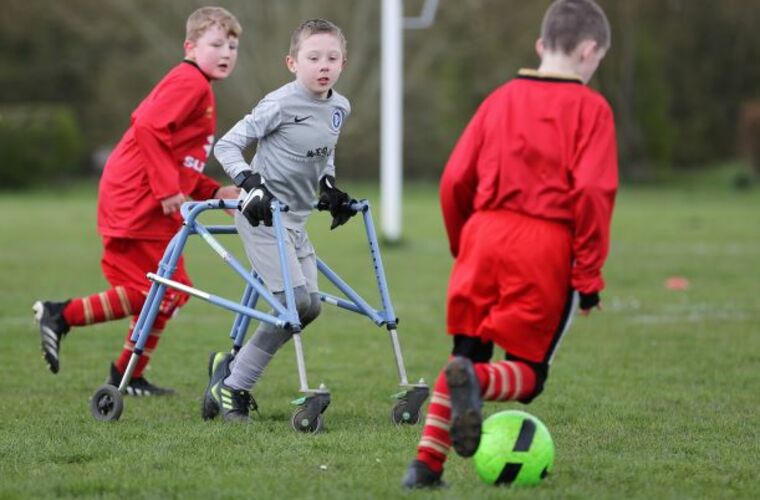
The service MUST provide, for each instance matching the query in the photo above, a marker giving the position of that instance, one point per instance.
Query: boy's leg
(128, 261)
(115, 303)
(129, 347)
(517, 301)
(138, 385)
(231, 380)
(234, 404)
(247, 367)
(253, 358)
(56, 318)
(465, 398)
(499, 381)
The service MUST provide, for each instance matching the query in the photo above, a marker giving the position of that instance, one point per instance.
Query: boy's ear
(290, 63)
(588, 48)
(540, 47)
(189, 47)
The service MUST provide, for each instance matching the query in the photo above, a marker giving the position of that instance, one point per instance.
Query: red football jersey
(163, 153)
(544, 147)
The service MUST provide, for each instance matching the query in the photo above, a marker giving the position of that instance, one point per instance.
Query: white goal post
(392, 102)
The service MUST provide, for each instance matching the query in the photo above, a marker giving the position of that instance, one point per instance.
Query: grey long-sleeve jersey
(296, 134)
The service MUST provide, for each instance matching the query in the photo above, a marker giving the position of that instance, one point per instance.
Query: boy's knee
(472, 348)
(303, 300)
(308, 305)
(541, 372)
(314, 309)
(301, 297)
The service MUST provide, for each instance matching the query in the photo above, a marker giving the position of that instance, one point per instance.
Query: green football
(515, 448)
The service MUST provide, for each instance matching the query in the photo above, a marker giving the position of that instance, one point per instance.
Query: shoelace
(245, 400)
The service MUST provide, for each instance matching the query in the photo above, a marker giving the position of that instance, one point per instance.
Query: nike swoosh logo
(300, 119)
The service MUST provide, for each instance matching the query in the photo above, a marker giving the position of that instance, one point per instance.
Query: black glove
(589, 300)
(336, 201)
(256, 206)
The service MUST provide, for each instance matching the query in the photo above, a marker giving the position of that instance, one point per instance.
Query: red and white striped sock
(150, 345)
(505, 380)
(436, 442)
(116, 303)
(500, 381)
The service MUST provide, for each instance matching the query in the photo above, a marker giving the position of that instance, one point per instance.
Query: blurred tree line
(677, 75)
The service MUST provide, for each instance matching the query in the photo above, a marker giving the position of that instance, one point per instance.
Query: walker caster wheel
(402, 414)
(408, 407)
(301, 421)
(107, 403)
(308, 414)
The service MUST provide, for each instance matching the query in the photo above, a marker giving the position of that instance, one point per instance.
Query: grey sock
(250, 363)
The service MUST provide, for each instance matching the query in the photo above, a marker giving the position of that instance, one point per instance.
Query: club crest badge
(337, 119)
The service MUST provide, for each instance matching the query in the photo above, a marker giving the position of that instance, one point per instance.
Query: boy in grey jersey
(297, 127)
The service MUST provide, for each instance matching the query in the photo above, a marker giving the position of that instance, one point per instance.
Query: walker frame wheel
(402, 414)
(107, 403)
(302, 421)
(408, 408)
(308, 416)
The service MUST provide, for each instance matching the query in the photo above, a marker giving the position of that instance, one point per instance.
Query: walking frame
(107, 401)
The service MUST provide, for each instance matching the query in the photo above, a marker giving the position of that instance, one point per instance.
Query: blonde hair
(569, 22)
(311, 27)
(204, 18)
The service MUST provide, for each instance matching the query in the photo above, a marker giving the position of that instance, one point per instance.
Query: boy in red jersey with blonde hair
(157, 165)
(527, 198)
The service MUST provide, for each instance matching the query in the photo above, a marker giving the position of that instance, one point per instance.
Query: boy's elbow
(226, 151)
(596, 190)
(221, 147)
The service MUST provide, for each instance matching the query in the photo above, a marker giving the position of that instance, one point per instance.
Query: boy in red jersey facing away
(157, 165)
(527, 197)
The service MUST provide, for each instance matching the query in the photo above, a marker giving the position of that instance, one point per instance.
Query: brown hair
(567, 23)
(312, 26)
(206, 17)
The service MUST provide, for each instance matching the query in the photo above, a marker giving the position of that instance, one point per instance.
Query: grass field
(654, 397)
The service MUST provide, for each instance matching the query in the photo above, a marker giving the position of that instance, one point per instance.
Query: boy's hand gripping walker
(107, 402)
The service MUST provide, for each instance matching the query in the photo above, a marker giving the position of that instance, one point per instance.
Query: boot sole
(45, 333)
(466, 418)
(211, 364)
(418, 477)
(210, 409)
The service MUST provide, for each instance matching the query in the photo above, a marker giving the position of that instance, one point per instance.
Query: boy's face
(318, 64)
(215, 52)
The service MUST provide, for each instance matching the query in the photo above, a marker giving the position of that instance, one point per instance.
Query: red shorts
(126, 261)
(511, 283)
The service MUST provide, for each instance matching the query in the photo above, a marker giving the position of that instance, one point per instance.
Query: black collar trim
(193, 63)
(532, 74)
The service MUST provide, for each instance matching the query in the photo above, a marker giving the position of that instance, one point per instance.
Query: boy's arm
(153, 128)
(595, 181)
(331, 198)
(460, 180)
(205, 187)
(329, 165)
(264, 118)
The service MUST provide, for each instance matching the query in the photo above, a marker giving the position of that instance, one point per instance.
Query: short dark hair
(312, 26)
(567, 23)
